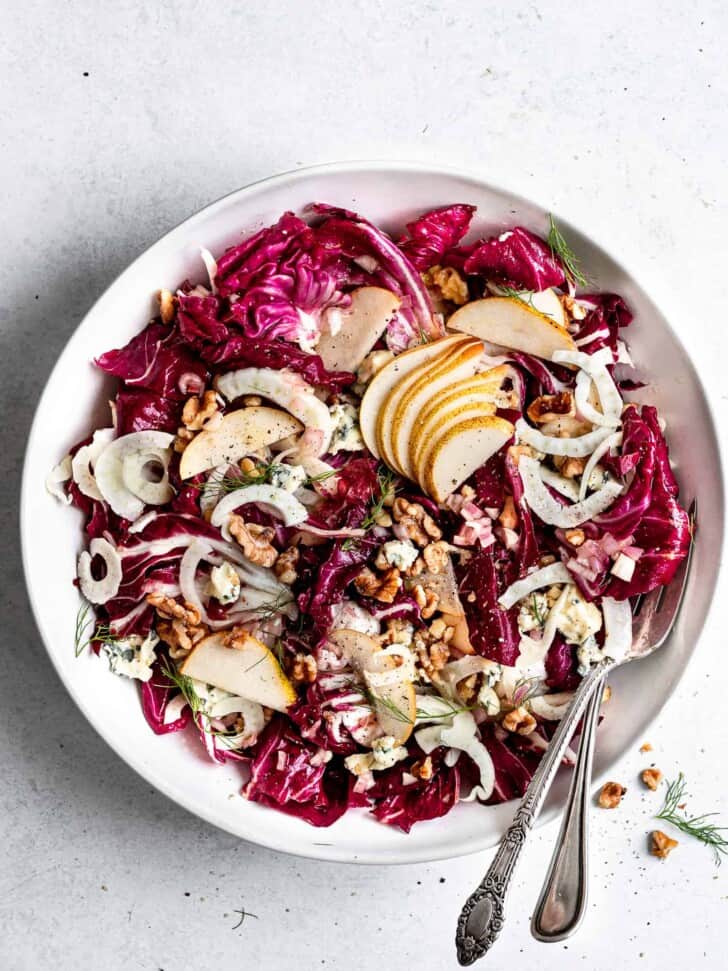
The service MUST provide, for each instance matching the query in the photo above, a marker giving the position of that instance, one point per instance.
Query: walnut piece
(255, 540)
(285, 566)
(381, 586)
(179, 626)
(413, 522)
(398, 631)
(436, 556)
(449, 282)
(199, 414)
(303, 669)
(166, 306)
(550, 407)
(422, 769)
(520, 721)
(652, 778)
(432, 655)
(427, 600)
(662, 844)
(568, 466)
(611, 795)
(575, 536)
(508, 517)
(646, 747)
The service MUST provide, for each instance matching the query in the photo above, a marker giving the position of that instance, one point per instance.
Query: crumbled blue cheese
(534, 609)
(346, 436)
(133, 656)
(399, 553)
(384, 754)
(588, 653)
(351, 615)
(287, 477)
(578, 619)
(224, 583)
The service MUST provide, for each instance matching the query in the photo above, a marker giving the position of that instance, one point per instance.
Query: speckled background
(118, 121)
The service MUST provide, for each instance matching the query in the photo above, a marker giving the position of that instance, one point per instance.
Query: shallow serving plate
(75, 400)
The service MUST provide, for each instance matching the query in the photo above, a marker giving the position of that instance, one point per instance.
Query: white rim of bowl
(320, 852)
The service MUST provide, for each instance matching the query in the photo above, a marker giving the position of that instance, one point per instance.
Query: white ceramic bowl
(75, 400)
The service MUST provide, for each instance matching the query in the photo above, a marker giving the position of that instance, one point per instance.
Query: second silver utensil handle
(561, 906)
(481, 919)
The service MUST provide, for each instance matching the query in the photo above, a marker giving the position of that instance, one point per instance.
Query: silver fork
(482, 917)
(562, 903)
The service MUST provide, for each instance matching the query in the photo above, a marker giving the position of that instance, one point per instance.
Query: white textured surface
(614, 116)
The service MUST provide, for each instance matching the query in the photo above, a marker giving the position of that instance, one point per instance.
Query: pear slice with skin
(398, 424)
(512, 323)
(247, 669)
(461, 450)
(385, 417)
(395, 704)
(486, 387)
(239, 433)
(384, 380)
(468, 408)
(359, 328)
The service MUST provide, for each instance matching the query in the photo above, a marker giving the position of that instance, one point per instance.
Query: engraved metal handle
(481, 919)
(562, 904)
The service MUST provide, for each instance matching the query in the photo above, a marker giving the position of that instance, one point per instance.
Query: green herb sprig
(524, 296)
(386, 485)
(564, 253)
(195, 702)
(100, 633)
(696, 826)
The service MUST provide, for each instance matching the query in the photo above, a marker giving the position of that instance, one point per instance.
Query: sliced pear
(484, 388)
(248, 669)
(402, 406)
(547, 302)
(384, 380)
(240, 432)
(510, 322)
(454, 408)
(358, 328)
(461, 638)
(395, 704)
(463, 363)
(461, 450)
(420, 460)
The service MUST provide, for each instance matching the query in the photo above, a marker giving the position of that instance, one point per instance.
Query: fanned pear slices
(239, 433)
(350, 334)
(483, 393)
(394, 700)
(459, 451)
(514, 323)
(397, 419)
(385, 380)
(248, 669)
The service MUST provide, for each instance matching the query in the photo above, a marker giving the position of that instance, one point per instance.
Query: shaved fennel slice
(56, 477)
(551, 707)
(85, 457)
(460, 733)
(99, 591)
(562, 485)
(550, 511)
(595, 367)
(547, 576)
(278, 502)
(109, 472)
(577, 447)
(612, 442)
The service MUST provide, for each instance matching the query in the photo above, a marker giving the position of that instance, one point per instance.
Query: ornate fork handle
(481, 919)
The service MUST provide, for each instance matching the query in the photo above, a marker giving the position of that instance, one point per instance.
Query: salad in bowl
(367, 508)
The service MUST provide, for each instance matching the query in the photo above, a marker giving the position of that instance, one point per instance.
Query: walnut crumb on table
(651, 778)
(611, 795)
(646, 747)
(662, 845)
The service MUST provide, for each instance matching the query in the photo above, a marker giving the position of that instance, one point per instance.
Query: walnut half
(380, 586)
(255, 540)
(611, 795)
